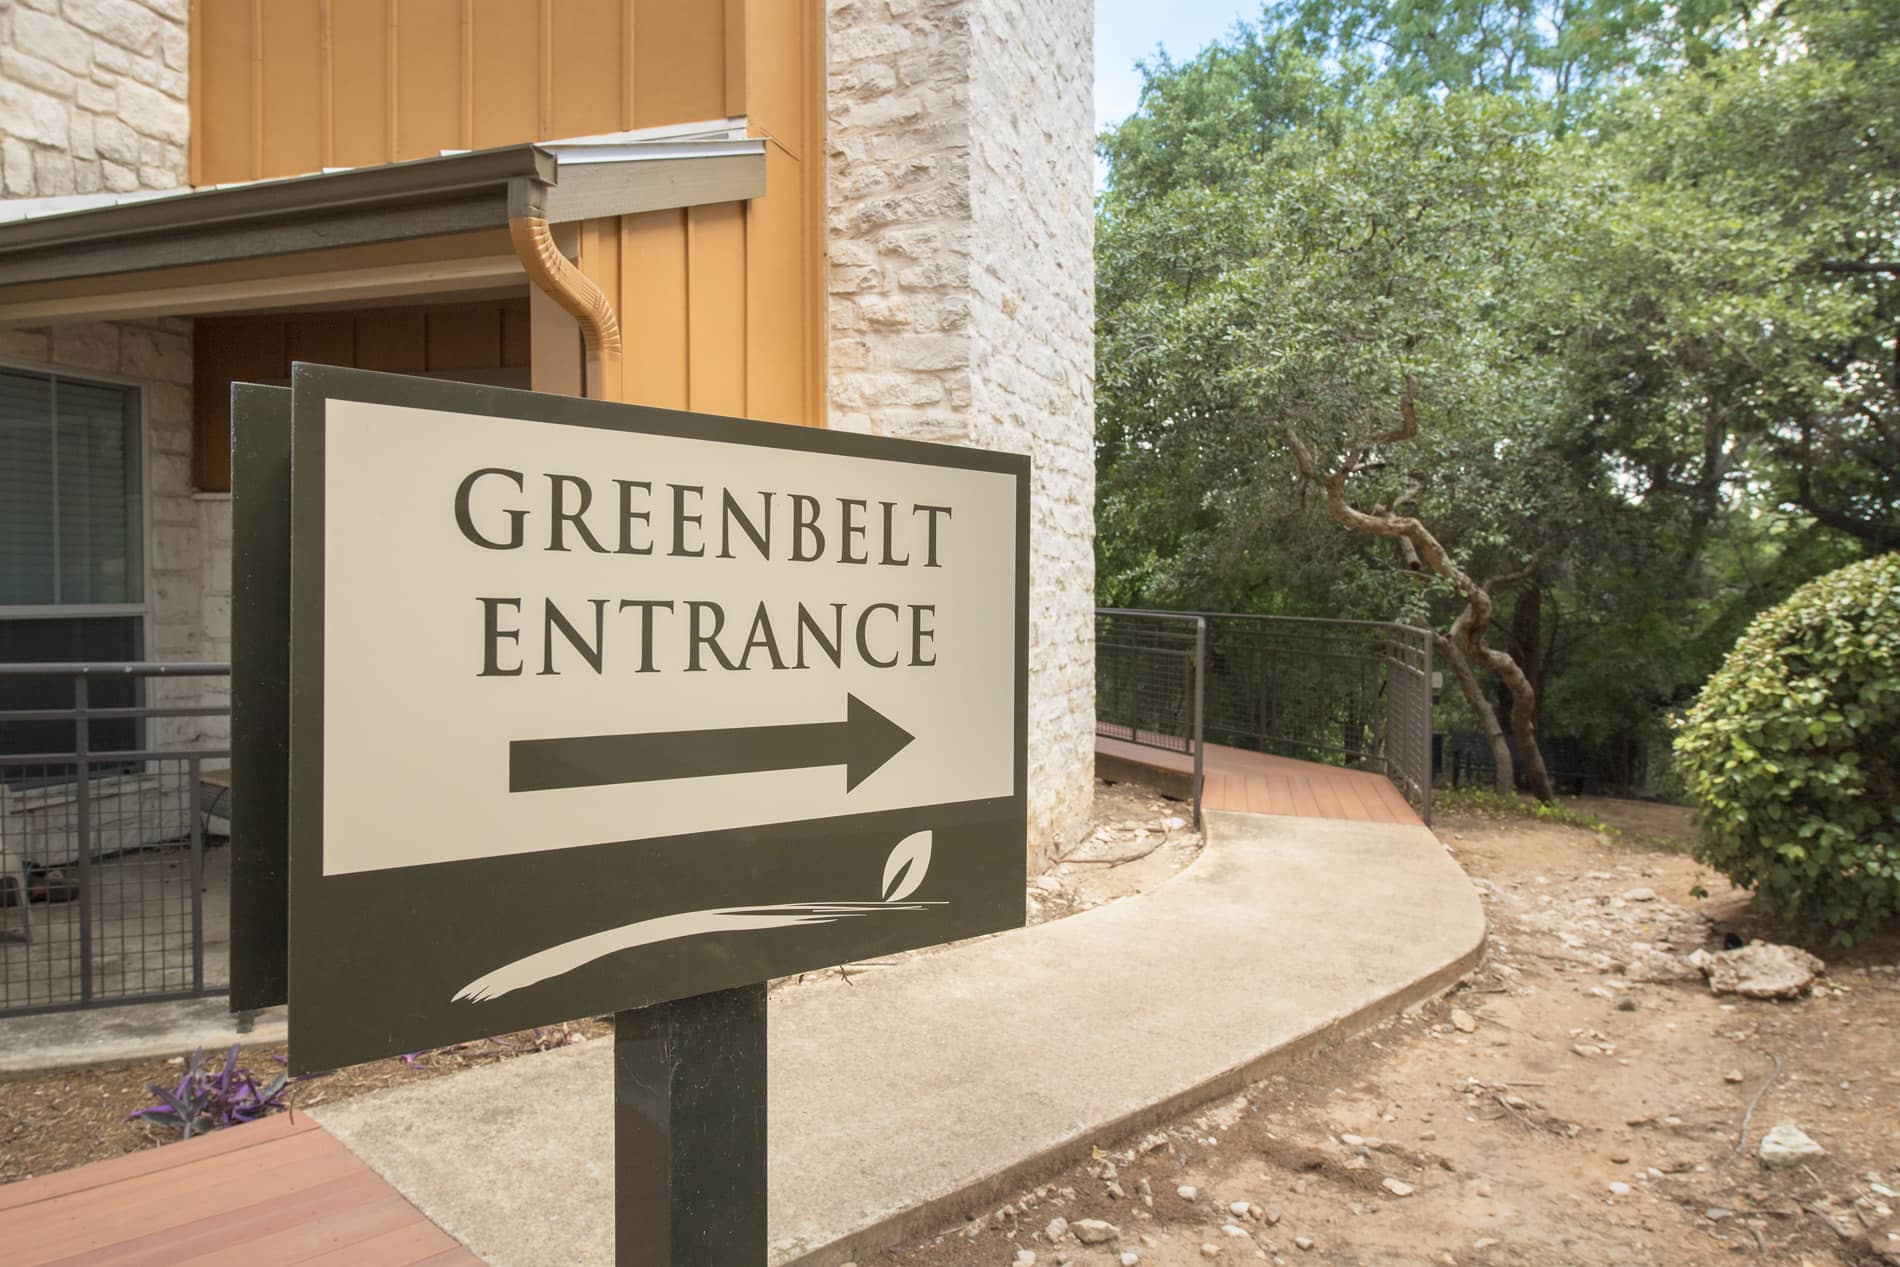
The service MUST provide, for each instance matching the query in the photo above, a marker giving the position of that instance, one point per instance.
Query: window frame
(139, 612)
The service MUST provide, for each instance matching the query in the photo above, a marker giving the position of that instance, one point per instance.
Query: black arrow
(861, 743)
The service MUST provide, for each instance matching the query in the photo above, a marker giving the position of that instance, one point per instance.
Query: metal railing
(1352, 693)
(1151, 683)
(102, 831)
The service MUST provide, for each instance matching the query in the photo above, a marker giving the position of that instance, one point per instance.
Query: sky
(1126, 30)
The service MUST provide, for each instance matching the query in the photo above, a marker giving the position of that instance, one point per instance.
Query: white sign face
(539, 637)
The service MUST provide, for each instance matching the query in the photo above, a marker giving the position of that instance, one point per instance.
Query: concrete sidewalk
(928, 1089)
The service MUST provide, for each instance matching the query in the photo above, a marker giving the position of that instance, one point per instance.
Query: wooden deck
(278, 1191)
(1254, 783)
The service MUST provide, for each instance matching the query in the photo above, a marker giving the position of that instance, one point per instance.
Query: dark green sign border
(375, 956)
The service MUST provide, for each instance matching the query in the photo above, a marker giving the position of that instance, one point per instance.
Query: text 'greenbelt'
(501, 509)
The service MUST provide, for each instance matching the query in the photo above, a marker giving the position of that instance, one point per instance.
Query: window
(72, 542)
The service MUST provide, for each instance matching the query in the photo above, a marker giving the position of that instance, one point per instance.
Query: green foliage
(1792, 754)
(1643, 259)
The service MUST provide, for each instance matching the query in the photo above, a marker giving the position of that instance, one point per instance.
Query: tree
(1736, 304)
(1294, 329)
(1634, 268)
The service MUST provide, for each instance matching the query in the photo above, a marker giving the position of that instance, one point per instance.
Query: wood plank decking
(277, 1191)
(1254, 783)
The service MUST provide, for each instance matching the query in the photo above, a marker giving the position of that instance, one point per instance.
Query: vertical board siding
(505, 76)
(716, 308)
(777, 355)
(359, 82)
(589, 45)
(411, 78)
(679, 62)
(292, 53)
(429, 57)
(721, 307)
(650, 294)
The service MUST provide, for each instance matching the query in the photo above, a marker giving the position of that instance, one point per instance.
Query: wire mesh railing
(103, 821)
(1343, 692)
(1150, 684)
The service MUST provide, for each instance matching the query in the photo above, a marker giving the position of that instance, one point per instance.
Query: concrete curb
(934, 1215)
(130, 1031)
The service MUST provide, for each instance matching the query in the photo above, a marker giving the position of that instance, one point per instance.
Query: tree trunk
(1468, 630)
(1506, 780)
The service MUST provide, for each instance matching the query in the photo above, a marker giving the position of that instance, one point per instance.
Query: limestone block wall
(961, 296)
(93, 96)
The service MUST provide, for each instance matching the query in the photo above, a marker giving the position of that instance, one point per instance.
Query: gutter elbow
(576, 293)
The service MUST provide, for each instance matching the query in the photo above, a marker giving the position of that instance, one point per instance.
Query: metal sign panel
(596, 706)
(260, 693)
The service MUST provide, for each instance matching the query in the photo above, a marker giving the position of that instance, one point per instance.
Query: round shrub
(1792, 755)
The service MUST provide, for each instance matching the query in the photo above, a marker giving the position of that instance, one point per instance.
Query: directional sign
(595, 706)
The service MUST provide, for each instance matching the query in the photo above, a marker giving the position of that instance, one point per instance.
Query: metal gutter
(420, 198)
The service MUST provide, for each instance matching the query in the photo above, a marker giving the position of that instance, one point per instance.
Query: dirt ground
(1490, 1127)
(56, 1120)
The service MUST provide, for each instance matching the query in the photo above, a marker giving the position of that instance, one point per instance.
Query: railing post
(192, 791)
(82, 822)
(1200, 713)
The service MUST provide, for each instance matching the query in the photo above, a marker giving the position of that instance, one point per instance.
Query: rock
(1174, 824)
(1586, 1049)
(1273, 1215)
(1715, 1214)
(1210, 1251)
(1761, 970)
(1232, 1230)
(1025, 1258)
(1788, 1145)
(1057, 1229)
(1130, 1258)
(1640, 895)
(1048, 884)
(1463, 1021)
(1625, 1003)
(1620, 1158)
(1484, 1242)
(1733, 1075)
(1094, 1231)
(1398, 1187)
(1619, 1189)
(1353, 1141)
(1654, 967)
(1304, 1242)
(1188, 1192)
(1238, 1209)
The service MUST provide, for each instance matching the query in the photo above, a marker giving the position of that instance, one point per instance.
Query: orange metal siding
(288, 86)
(722, 307)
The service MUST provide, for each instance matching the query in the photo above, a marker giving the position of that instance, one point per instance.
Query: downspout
(576, 293)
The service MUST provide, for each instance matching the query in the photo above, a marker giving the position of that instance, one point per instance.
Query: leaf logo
(904, 870)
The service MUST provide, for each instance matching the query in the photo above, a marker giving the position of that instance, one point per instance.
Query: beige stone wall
(960, 239)
(93, 96)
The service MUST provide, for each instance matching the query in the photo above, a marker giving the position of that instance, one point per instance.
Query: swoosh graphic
(569, 955)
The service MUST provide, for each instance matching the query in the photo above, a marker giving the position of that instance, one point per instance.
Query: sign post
(689, 1131)
(596, 708)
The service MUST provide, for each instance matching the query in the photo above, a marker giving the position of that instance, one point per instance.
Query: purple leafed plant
(208, 1097)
